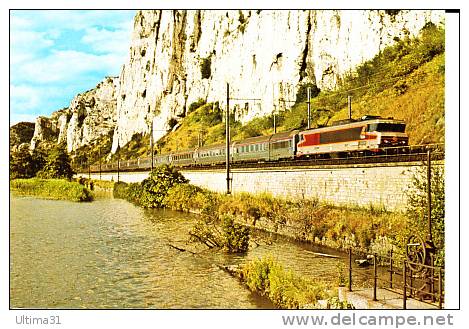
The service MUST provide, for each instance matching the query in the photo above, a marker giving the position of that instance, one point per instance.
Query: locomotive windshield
(387, 127)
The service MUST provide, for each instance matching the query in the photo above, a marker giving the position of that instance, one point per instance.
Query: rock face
(89, 116)
(92, 114)
(179, 57)
(45, 130)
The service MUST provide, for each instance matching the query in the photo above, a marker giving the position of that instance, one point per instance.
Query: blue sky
(55, 55)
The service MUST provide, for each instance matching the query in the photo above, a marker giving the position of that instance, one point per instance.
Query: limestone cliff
(93, 114)
(89, 116)
(178, 57)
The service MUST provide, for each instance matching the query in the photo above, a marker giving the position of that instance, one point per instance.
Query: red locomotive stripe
(357, 140)
(309, 140)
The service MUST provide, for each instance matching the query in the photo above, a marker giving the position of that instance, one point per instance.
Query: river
(112, 254)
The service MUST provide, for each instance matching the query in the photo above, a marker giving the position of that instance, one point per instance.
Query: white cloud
(65, 66)
(74, 19)
(25, 45)
(55, 55)
(103, 40)
(24, 97)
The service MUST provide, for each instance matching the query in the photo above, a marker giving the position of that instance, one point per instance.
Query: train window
(391, 127)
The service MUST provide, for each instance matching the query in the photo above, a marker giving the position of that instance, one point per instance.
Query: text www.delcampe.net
(355, 319)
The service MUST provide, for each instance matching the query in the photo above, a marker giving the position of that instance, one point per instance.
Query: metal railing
(399, 275)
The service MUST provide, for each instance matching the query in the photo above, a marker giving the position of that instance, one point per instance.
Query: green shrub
(194, 106)
(182, 197)
(57, 189)
(120, 190)
(236, 237)
(57, 165)
(335, 304)
(156, 186)
(284, 288)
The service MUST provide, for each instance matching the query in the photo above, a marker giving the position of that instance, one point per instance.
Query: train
(366, 136)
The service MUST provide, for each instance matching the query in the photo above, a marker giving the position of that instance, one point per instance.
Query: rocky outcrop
(179, 57)
(45, 130)
(90, 115)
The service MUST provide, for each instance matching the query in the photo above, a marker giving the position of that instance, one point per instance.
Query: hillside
(20, 133)
(404, 81)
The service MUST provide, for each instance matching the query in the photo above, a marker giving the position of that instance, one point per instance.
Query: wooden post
(404, 287)
(99, 162)
(350, 269)
(275, 122)
(390, 269)
(228, 139)
(349, 99)
(440, 289)
(429, 195)
(118, 163)
(375, 276)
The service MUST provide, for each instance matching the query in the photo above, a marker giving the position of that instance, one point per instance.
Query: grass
(202, 125)
(284, 288)
(56, 189)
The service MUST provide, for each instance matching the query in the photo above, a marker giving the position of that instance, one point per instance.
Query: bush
(181, 197)
(57, 189)
(194, 106)
(120, 190)
(155, 188)
(25, 163)
(284, 288)
(302, 94)
(236, 237)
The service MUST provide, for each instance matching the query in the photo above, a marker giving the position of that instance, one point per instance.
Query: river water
(112, 254)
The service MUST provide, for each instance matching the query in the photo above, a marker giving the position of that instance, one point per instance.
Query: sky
(55, 55)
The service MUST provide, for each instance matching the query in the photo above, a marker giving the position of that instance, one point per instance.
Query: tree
(21, 163)
(417, 208)
(156, 186)
(57, 164)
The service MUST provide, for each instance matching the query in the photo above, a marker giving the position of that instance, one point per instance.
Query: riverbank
(285, 288)
(338, 227)
(55, 189)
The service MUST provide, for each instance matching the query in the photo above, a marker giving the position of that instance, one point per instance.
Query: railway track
(365, 160)
(413, 155)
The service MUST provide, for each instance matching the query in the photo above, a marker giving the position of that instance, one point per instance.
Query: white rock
(264, 55)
